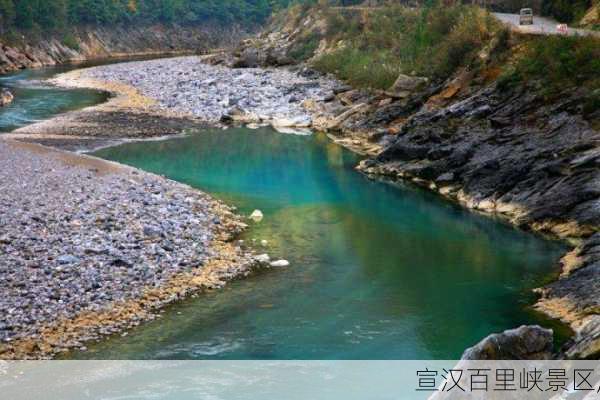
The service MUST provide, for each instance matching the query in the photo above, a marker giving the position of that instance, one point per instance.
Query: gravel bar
(79, 235)
(187, 85)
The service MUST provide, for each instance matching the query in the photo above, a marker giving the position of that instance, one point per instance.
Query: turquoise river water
(378, 271)
(35, 100)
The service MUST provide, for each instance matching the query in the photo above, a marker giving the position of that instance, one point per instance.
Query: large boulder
(6, 97)
(277, 58)
(524, 343)
(248, 58)
(406, 85)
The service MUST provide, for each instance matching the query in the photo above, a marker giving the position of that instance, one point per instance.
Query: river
(378, 270)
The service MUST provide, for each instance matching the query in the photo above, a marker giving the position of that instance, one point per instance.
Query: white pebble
(280, 263)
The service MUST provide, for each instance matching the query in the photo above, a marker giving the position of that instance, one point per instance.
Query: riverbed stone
(6, 97)
(524, 343)
(256, 216)
(214, 93)
(70, 244)
(280, 263)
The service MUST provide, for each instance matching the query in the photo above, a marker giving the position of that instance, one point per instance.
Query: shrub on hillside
(566, 10)
(561, 61)
(378, 45)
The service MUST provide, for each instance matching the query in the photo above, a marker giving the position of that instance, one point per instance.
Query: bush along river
(378, 271)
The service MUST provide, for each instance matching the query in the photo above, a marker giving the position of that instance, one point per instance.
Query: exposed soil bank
(89, 248)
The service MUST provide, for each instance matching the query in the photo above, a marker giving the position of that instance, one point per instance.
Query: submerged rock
(256, 216)
(524, 343)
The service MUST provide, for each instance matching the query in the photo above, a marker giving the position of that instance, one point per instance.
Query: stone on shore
(524, 343)
(263, 259)
(6, 97)
(406, 85)
(280, 263)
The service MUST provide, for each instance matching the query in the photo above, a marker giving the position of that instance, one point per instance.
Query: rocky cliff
(87, 43)
(511, 153)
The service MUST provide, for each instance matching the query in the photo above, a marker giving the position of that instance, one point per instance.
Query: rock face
(98, 42)
(6, 97)
(406, 85)
(524, 343)
(509, 151)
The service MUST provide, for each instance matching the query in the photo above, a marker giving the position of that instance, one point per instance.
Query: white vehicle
(526, 16)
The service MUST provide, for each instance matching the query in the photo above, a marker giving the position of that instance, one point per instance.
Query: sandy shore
(90, 247)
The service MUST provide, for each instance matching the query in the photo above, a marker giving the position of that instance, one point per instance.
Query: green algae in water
(377, 271)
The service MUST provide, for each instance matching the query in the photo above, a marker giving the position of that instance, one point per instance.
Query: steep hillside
(591, 18)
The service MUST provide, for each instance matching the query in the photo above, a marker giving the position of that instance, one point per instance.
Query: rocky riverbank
(172, 95)
(187, 86)
(503, 150)
(509, 152)
(89, 248)
(514, 150)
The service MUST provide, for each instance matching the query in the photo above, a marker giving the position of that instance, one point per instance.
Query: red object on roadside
(562, 29)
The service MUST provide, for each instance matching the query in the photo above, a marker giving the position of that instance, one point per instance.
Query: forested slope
(46, 32)
(59, 14)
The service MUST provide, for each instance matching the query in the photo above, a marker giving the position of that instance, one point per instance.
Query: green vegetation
(560, 61)
(432, 41)
(566, 10)
(305, 48)
(70, 41)
(59, 14)
(376, 69)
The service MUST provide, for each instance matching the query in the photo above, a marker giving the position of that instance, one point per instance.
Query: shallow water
(377, 271)
(36, 100)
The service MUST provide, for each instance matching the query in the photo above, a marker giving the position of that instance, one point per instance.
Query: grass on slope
(561, 61)
(434, 41)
